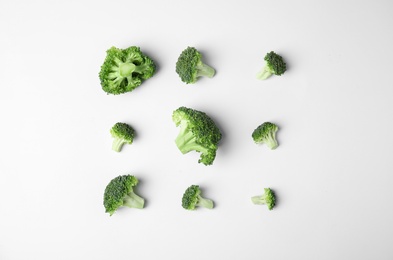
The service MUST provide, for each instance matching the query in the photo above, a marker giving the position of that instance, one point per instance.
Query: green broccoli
(268, 199)
(266, 133)
(119, 192)
(197, 132)
(274, 65)
(192, 198)
(189, 66)
(122, 134)
(124, 69)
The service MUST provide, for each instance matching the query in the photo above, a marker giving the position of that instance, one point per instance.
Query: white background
(332, 172)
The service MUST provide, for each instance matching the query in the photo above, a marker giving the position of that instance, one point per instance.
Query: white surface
(332, 172)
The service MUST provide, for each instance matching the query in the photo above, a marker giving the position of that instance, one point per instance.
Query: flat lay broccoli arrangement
(123, 70)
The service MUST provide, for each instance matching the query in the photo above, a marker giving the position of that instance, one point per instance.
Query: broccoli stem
(141, 68)
(271, 141)
(272, 144)
(186, 140)
(126, 69)
(117, 144)
(205, 70)
(259, 200)
(264, 73)
(206, 203)
(133, 201)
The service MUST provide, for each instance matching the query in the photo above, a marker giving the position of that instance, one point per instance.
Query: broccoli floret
(192, 198)
(189, 66)
(268, 199)
(125, 69)
(119, 192)
(198, 132)
(266, 133)
(274, 65)
(122, 134)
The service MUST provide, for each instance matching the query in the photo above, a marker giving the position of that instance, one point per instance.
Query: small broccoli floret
(122, 134)
(119, 192)
(124, 69)
(268, 199)
(274, 65)
(192, 198)
(189, 66)
(266, 133)
(198, 132)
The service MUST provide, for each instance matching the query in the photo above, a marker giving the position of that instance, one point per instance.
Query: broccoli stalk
(198, 132)
(122, 133)
(132, 200)
(204, 70)
(192, 198)
(268, 199)
(265, 73)
(186, 141)
(274, 65)
(117, 144)
(189, 66)
(206, 203)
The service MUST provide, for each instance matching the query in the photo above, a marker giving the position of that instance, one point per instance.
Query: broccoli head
(124, 69)
(192, 198)
(266, 133)
(119, 192)
(189, 66)
(274, 65)
(198, 132)
(268, 199)
(122, 133)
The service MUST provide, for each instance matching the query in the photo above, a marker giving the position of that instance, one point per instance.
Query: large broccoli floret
(268, 199)
(274, 65)
(119, 192)
(266, 133)
(124, 70)
(198, 132)
(192, 198)
(189, 66)
(122, 133)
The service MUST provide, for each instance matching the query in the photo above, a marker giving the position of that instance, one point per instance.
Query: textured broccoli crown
(198, 132)
(266, 133)
(119, 192)
(268, 199)
(189, 66)
(274, 65)
(122, 134)
(192, 198)
(124, 69)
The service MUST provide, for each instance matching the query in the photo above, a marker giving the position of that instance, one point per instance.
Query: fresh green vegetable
(268, 199)
(119, 192)
(125, 69)
(274, 65)
(266, 133)
(198, 132)
(189, 66)
(122, 134)
(192, 198)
